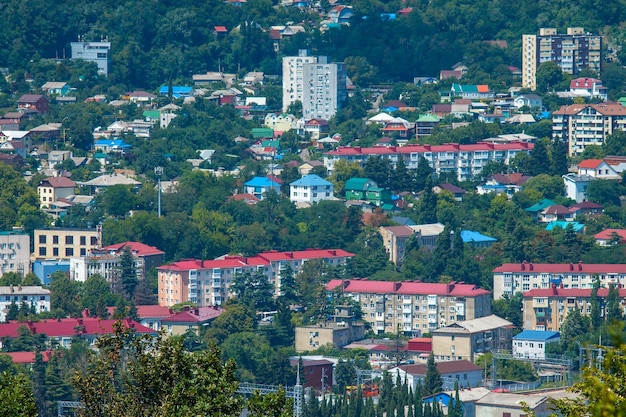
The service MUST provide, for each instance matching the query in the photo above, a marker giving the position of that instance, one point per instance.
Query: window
(83, 240)
(69, 251)
(55, 251)
(83, 252)
(42, 251)
(69, 240)
(42, 238)
(93, 240)
(55, 239)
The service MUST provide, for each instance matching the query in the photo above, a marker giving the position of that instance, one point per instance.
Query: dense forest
(156, 42)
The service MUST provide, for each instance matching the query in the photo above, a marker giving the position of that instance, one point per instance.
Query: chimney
(12, 289)
(346, 282)
(524, 266)
(580, 265)
(289, 254)
(571, 267)
(333, 252)
(196, 312)
(554, 290)
(530, 266)
(86, 312)
(397, 285)
(186, 308)
(19, 288)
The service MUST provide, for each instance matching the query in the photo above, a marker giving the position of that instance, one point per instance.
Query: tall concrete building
(319, 85)
(293, 81)
(324, 89)
(572, 51)
(98, 52)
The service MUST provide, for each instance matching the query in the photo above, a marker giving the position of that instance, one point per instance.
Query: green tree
(16, 396)
(428, 204)
(10, 278)
(422, 173)
(539, 161)
(254, 289)
(140, 375)
(595, 316)
(96, 296)
(128, 280)
(65, 295)
(433, 383)
(559, 158)
(549, 75)
(613, 305)
(288, 287)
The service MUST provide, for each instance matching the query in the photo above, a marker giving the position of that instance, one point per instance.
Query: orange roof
(482, 88)
(590, 163)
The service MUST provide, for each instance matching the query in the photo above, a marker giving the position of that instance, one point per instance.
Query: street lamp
(158, 171)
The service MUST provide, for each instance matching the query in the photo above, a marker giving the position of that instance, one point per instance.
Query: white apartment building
(14, 252)
(514, 278)
(466, 161)
(310, 189)
(293, 77)
(98, 52)
(324, 89)
(207, 283)
(581, 125)
(31, 295)
(414, 307)
(572, 51)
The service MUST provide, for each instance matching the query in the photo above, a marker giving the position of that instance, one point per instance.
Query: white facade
(293, 77)
(310, 189)
(106, 265)
(97, 52)
(532, 344)
(14, 252)
(324, 89)
(576, 186)
(35, 296)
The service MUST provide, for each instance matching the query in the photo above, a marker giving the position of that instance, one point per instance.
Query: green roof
(152, 114)
(428, 118)
(537, 207)
(358, 184)
(100, 155)
(262, 132)
(269, 143)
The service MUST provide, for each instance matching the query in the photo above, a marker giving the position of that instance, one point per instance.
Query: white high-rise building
(293, 81)
(324, 89)
(98, 52)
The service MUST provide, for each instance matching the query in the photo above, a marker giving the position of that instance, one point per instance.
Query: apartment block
(547, 308)
(466, 161)
(14, 252)
(509, 279)
(293, 77)
(35, 296)
(59, 243)
(395, 238)
(98, 52)
(414, 307)
(207, 282)
(572, 51)
(581, 125)
(324, 89)
(340, 331)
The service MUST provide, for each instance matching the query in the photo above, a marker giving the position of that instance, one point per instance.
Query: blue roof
(578, 227)
(112, 143)
(176, 90)
(262, 182)
(470, 236)
(311, 180)
(537, 335)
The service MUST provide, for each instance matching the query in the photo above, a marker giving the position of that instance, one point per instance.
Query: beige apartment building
(547, 309)
(414, 307)
(572, 51)
(340, 331)
(581, 125)
(464, 340)
(58, 243)
(14, 252)
(54, 188)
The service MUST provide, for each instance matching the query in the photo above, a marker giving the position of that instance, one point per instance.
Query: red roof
(245, 197)
(28, 357)
(450, 147)
(59, 182)
(608, 234)
(70, 327)
(153, 311)
(585, 83)
(590, 163)
(406, 288)
(221, 29)
(305, 254)
(570, 292)
(556, 209)
(194, 315)
(563, 268)
(136, 248)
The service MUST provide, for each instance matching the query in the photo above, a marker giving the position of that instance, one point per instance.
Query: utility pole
(158, 171)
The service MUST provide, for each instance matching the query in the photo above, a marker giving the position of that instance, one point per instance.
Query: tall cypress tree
(613, 307)
(596, 309)
(428, 203)
(433, 383)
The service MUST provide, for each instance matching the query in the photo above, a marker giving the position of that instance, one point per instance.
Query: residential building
(610, 237)
(522, 277)
(468, 338)
(55, 88)
(467, 161)
(531, 344)
(104, 181)
(107, 261)
(33, 102)
(324, 89)
(310, 189)
(547, 308)
(572, 51)
(318, 373)
(507, 184)
(597, 168)
(532, 101)
(259, 186)
(468, 398)
(33, 296)
(399, 128)
(366, 190)
(457, 192)
(150, 315)
(472, 92)
(14, 252)
(581, 125)
(314, 127)
(52, 189)
(576, 186)
(193, 319)
(425, 124)
(340, 14)
(98, 52)
(207, 283)
(59, 243)
(293, 77)
(588, 88)
(501, 404)
(61, 331)
(414, 307)
(341, 330)
(476, 239)
(280, 122)
(461, 372)
(395, 238)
